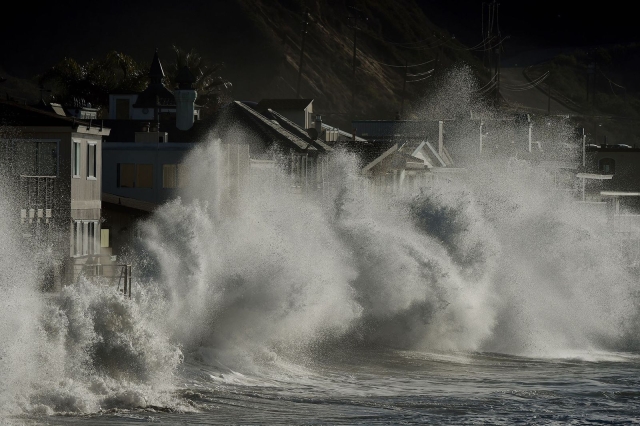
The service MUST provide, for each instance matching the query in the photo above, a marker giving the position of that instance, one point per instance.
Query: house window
(91, 161)
(144, 176)
(607, 166)
(169, 176)
(126, 174)
(131, 175)
(77, 152)
(86, 238)
(35, 158)
(122, 109)
(183, 175)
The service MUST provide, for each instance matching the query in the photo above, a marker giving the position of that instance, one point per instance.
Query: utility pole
(588, 75)
(549, 98)
(404, 86)
(584, 148)
(595, 86)
(305, 24)
(497, 59)
(42, 92)
(356, 16)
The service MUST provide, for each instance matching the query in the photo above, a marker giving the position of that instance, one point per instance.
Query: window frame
(119, 175)
(607, 163)
(77, 159)
(173, 166)
(91, 145)
(138, 175)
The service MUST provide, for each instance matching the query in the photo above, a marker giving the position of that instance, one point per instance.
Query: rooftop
(283, 104)
(15, 114)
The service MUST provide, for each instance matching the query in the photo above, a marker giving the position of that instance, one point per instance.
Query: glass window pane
(47, 159)
(91, 160)
(169, 176)
(76, 158)
(126, 175)
(183, 176)
(144, 176)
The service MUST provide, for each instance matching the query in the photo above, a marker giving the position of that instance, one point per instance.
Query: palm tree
(211, 87)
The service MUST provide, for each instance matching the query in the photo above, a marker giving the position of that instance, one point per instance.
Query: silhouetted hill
(257, 40)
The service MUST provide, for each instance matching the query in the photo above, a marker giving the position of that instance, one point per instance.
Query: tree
(211, 87)
(92, 82)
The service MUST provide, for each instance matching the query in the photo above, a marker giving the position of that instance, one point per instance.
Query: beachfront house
(52, 167)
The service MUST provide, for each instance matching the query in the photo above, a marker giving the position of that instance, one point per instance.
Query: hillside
(259, 42)
(389, 34)
(602, 85)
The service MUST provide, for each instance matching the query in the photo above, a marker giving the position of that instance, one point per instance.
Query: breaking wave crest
(487, 262)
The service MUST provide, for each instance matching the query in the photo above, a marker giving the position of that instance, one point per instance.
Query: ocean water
(487, 298)
(400, 387)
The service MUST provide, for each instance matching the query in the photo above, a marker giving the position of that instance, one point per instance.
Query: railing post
(126, 279)
(130, 280)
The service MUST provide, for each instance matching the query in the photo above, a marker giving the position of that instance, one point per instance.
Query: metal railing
(115, 275)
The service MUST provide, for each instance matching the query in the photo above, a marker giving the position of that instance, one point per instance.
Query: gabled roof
(283, 104)
(275, 129)
(156, 70)
(399, 159)
(298, 131)
(156, 94)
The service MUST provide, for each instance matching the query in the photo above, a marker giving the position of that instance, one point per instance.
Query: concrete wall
(141, 153)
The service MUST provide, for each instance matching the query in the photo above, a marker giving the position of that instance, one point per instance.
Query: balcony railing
(116, 275)
(38, 198)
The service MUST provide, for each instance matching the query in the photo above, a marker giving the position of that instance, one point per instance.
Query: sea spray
(83, 350)
(491, 259)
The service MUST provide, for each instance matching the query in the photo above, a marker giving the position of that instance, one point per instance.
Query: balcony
(37, 198)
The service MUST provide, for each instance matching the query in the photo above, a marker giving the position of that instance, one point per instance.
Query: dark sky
(42, 35)
(34, 37)
(551, 23)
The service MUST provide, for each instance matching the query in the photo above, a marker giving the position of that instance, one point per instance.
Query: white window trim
(90, 143)
(76, 161)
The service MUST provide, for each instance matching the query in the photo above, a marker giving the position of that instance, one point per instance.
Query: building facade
(53, 165)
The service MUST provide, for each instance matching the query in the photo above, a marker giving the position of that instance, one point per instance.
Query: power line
(490, 81)
(527, 86)
(420, 74)
(401, 43)
(420, 79)
(402, 66)
(610, 81)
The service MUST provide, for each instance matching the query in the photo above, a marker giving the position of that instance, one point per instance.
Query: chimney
(185, 96)
(319, 125)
